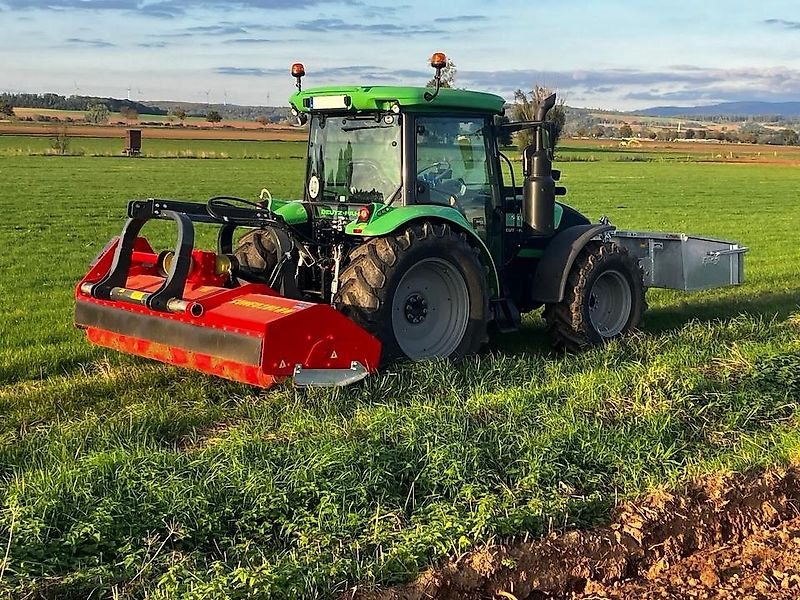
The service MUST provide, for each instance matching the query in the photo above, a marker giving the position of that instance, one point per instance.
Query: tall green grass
(121, 477)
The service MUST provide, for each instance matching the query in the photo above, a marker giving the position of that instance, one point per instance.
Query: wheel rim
(430, 309)
(610, 304)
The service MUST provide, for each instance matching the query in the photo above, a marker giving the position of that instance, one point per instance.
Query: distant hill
(59, 102)
(227, 111)
(147, 107)
(726, 109)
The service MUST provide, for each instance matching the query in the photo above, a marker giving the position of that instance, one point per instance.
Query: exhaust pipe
(539, 189)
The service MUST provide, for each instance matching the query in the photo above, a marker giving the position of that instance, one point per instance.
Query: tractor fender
(402, 217)
(550, 278)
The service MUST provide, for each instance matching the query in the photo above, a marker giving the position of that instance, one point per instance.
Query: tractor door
(453, 168)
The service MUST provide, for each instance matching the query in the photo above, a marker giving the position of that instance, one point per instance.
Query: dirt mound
(727, 519)
(763, 565)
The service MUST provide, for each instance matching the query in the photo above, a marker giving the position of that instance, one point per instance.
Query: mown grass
(128, 478)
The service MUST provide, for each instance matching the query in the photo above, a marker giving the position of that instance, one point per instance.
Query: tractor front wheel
(258, 254)
(422, 292)
(604, 299)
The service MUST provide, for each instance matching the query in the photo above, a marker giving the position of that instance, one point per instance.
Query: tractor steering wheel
(449, 193)
(443, 168)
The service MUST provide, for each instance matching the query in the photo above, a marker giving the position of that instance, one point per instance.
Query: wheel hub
(416, 309)
(610, 304)
(430, 309)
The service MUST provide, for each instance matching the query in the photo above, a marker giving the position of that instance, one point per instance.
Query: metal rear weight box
(681, 262)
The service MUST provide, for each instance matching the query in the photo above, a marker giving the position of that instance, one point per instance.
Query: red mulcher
(187, 308)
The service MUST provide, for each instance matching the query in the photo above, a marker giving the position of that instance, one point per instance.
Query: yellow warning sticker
(137, 295)
(273, 308)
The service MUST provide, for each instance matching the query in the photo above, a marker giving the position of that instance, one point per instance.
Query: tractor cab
(403, 147)
(410, 148)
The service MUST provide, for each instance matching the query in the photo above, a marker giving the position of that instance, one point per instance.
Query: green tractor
(413, 226)
(431, 241)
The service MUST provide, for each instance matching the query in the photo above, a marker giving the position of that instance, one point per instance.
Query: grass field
(13, 145)
(124, 478)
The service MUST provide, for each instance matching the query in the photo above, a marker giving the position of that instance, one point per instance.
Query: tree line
(81, 103)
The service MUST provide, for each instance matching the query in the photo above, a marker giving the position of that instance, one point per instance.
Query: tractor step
(505, 315)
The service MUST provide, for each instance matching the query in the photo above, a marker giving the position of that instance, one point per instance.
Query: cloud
(687, 83)
(692, 83)
(339, 25)
(793, 25)
(89, 43)
(167, 8)
(254, 41)
(250, 71)
(461, 19)
(354, 74)
(221, 29)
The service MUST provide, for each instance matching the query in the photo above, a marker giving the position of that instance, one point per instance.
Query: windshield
(354, 159)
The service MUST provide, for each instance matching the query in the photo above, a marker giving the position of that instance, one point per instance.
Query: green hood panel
(292, 211)
(370, 98)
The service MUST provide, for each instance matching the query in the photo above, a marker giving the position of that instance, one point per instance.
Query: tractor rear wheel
(604, 299)
(421, 291)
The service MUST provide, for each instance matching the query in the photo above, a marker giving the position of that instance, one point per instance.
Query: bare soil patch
(732, 536)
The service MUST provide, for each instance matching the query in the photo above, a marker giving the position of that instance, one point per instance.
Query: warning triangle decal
(334, 355)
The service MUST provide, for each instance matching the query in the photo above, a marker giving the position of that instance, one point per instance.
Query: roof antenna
(438, 62)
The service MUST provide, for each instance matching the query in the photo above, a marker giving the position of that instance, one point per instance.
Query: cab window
(452, 167)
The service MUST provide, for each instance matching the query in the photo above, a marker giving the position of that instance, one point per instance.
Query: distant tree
(213, 117)
(582, 132)
(598, 131)
(689, 134)
(129, 113)
(524, 109)
(6, 108)
(790, 137)
(97, 114)
(262, 120)
(59, 139)
(504, 137)
(701, 134)
(180, 113)
(448, 76)
(625, 131)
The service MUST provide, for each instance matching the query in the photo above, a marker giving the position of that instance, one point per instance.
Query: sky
(613, 54)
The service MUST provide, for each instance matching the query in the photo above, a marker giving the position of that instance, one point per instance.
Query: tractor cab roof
(370, 98)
